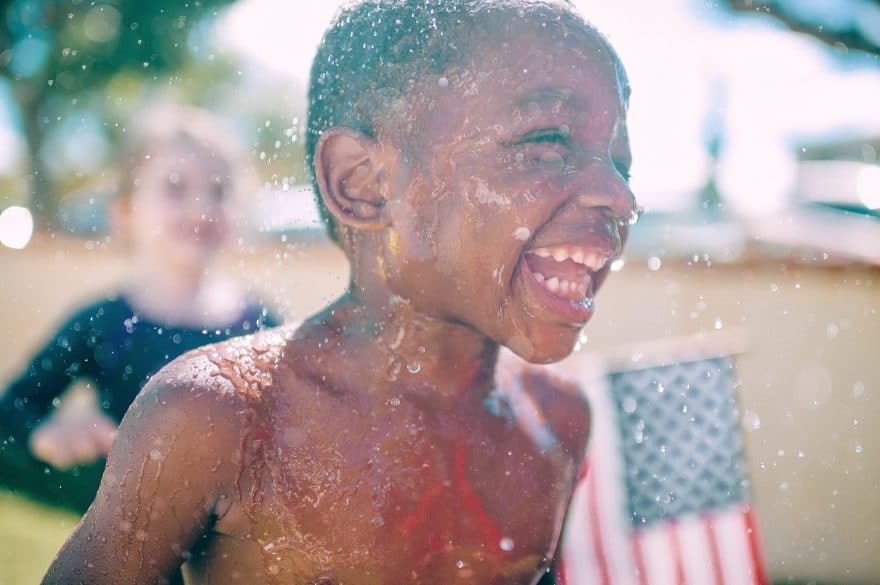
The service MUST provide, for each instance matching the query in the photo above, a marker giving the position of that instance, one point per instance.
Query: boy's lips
(560, 279)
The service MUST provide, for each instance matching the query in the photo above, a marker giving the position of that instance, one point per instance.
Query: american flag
(664, 496)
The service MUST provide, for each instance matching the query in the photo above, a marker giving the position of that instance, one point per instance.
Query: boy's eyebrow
(551, 134)
(544, 95)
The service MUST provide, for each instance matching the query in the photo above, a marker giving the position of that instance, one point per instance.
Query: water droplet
(522, 233)
(629, 405)
(394, 401)
(654, 263)
(617, 265)
(634, 215)
(443, 82)
(459, 564)
(858, 389)
(506, 544)
(752, 420)
(413, 367)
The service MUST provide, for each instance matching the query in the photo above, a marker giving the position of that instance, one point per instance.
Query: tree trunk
(30, 97)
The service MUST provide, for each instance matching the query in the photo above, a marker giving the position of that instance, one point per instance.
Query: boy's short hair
(376, 51)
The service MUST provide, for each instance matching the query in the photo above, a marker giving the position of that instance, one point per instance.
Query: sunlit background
(755, 129)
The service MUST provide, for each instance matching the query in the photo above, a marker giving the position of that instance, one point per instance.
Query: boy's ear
(352, 178)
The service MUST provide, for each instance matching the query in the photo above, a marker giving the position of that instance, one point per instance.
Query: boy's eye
(560, 135)
(551, 161)
(544, 149)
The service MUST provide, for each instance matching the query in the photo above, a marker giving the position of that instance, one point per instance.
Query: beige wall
(810, 374)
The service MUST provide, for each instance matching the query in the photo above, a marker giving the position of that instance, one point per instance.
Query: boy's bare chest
(394, 495)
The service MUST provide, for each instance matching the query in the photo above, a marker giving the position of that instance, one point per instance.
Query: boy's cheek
(408, 239)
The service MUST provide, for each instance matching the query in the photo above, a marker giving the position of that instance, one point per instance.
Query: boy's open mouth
(563, 278)
(565, 271)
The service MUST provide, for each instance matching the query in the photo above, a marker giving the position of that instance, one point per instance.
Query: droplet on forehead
(522, 233)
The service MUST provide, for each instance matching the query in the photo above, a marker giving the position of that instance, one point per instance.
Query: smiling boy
(470, 157)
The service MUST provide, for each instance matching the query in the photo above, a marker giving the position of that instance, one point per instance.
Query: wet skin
(367, 446)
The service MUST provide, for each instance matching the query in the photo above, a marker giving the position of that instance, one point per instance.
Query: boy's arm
(171, 465)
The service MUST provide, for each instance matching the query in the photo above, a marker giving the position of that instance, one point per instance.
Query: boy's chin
(544, 349)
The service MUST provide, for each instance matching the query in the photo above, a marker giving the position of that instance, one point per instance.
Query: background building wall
(810, 373)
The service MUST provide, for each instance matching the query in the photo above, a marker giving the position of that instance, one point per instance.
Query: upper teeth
(588, 258)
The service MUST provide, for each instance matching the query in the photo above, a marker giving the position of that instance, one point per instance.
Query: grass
(31, 534)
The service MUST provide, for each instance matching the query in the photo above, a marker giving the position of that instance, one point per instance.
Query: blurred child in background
(173, 210)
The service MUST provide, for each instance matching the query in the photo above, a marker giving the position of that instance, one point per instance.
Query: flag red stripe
(675, 545)
(639, 559)
(596, 529)
(585, 469)
(714, 551)
(754, 547)
(561, 577)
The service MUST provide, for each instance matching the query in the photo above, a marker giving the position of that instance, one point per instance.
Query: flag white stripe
(696, 553)
(733, 546)
(577, 551)
(658, 556)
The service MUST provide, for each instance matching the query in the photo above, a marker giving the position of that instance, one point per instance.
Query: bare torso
(337, 485)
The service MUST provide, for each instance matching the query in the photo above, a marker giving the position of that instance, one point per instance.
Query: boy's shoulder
(238, 370)
(204, 400)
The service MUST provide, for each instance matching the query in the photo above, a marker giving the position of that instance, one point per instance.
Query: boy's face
(179, 208)
(513, 203)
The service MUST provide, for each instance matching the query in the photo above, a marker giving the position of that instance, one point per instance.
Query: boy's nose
(604, 187)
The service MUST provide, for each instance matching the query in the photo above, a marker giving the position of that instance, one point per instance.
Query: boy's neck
(408, 353)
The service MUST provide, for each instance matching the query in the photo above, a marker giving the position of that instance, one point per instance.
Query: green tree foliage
(857, 32)
(52, 51)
